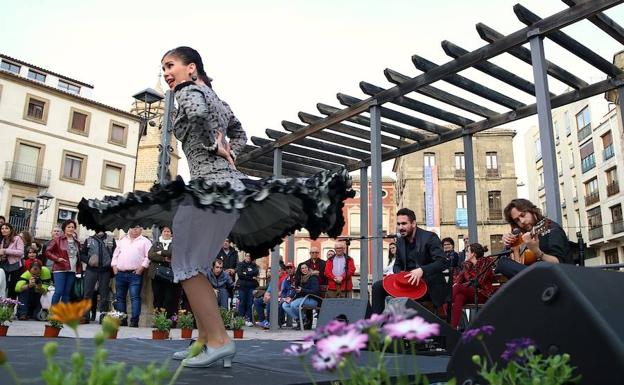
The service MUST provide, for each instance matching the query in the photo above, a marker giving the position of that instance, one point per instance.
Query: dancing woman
(219, 202)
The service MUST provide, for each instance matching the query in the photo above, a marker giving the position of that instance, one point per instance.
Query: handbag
(164, 274)
(78, 289)
(10, 267)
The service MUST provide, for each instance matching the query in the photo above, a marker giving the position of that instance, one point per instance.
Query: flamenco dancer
(219, 202)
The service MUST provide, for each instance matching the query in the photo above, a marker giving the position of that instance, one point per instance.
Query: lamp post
(37, 206)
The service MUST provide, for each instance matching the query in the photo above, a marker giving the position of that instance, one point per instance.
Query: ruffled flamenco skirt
(267, 209)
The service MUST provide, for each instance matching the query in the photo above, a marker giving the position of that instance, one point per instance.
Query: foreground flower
(321, 362)
(298, 350)
(70, 313)
(515, 348)
(412, 329)
(376, 320)
(333, 327)
(477, 333)
(2, 358)
(352, 342)
(9, 302)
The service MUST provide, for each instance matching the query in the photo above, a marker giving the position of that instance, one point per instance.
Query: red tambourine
(397, 285)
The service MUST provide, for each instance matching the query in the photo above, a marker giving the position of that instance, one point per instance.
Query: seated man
(550, 246)
(419, 256)
(221, 282)
(263, 307)
(29, 288)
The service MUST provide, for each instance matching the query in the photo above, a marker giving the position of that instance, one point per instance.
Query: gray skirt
(198, 235)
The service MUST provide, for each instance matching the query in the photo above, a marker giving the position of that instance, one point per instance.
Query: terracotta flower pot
(113, 335)
(187, 333)
(238, 333)
(3, 330)
(51, 331)
(160, 334)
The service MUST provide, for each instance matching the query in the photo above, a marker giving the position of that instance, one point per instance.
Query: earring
(193, 77)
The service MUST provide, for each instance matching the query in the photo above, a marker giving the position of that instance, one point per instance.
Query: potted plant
(116, 317)
(162, 325)
(237, 326)
(185, 322)
(226, 316)
(7, 308)
(52, 328)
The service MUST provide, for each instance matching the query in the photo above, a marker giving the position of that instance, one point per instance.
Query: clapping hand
(223, 148)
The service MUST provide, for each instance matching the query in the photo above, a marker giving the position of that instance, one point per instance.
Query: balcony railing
(18, 172)
(492, 173)
(617, 227)
(608, 152)
(592, 198)
(495, 214)
(595, 233)
(460, 173)
(584, 132)
(613, 188)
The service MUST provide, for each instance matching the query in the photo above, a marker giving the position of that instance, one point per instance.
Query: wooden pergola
(368, 130)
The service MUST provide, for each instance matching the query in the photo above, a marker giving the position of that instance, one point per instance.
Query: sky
(271, 59)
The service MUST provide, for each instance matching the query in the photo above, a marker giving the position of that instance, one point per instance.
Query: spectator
(229, 256)
(2, 220)
(262, 296)
(391, 256)
(330, 253)
(221, 283)
(166, 293)
(129, 261)
(64, 252)
(55, 233)
(97, 254)
(448, 246)
(31, 256)
(247, 272)
(317, 268)
(308, 284)
(27, 239)
(287, 288)
(11, 256)
(30, 286)
(339, 269)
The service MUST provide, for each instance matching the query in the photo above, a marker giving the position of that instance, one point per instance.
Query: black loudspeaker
(344, 309)
(448, 336)
(564, 309)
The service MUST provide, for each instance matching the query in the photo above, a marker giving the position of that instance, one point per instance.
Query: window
(79, 121)
(559, 164)
(607, 145)
(574, 189)
(460, 165)
(613, 186)
(567, 122)
(113, 176)
(594, 220)
(556, 129)
(10, 67)
(26, 165)
(538, 149)
(65, 86)
(496, 243)
(65, 214)
(354, 224)
(540, 176)
(429, 159)
(588, 160)
(611, 257)
(571, 157)
(38, 76)
(494, 204)
(118, 133)
(491, 164)
(19, 217)
(591, 192)
(73, 167)
(462, 200)
(617, 221)
(36, 109)
(583, 124)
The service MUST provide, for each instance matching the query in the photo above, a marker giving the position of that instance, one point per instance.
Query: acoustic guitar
(540, 228)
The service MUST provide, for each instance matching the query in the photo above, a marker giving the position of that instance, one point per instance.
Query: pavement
(35, 328)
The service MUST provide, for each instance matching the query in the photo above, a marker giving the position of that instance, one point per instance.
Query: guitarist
(551, 247)
(419, 256)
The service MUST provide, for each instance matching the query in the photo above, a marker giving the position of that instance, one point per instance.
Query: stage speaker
(343, 309)
(564, 309)
(448, 337)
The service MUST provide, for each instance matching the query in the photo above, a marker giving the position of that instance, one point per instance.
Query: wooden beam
(469, 85)
(319, 145)
(490, 35)
(268, 168)
(442, 96)
(415, 105)
(303, 151)
(603, 22)
(329, 137)
(492, 69)
(254, 172)
(300, 160)
(529, 18)
(351, 131)
(294, 166)
(398, 116)
(364, 121)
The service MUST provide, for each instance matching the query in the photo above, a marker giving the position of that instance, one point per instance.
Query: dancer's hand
(223, 148)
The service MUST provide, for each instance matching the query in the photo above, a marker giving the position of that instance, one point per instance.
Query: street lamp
(147, 97)
(37, 206)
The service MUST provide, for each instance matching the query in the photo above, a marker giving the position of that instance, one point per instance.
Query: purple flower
(322, 362)
(477, 333)
(515, 348)
(9, 301)
(412, 329)
(375, 320)
(298, 350)
(332, 328)
(337, 345)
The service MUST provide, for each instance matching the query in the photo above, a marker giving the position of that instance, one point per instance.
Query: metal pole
(290, 251)
(471, 195)
(364, 260)
(164, 149)
(544, 117)
(376, 198)
(35, 216)
(275, 255)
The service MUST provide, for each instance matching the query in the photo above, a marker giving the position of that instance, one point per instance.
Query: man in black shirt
(419, 256)
(229, 256)
(551, 247)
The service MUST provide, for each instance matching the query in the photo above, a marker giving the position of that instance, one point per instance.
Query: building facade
(589, 148)
(432, 183)
(58, 143)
